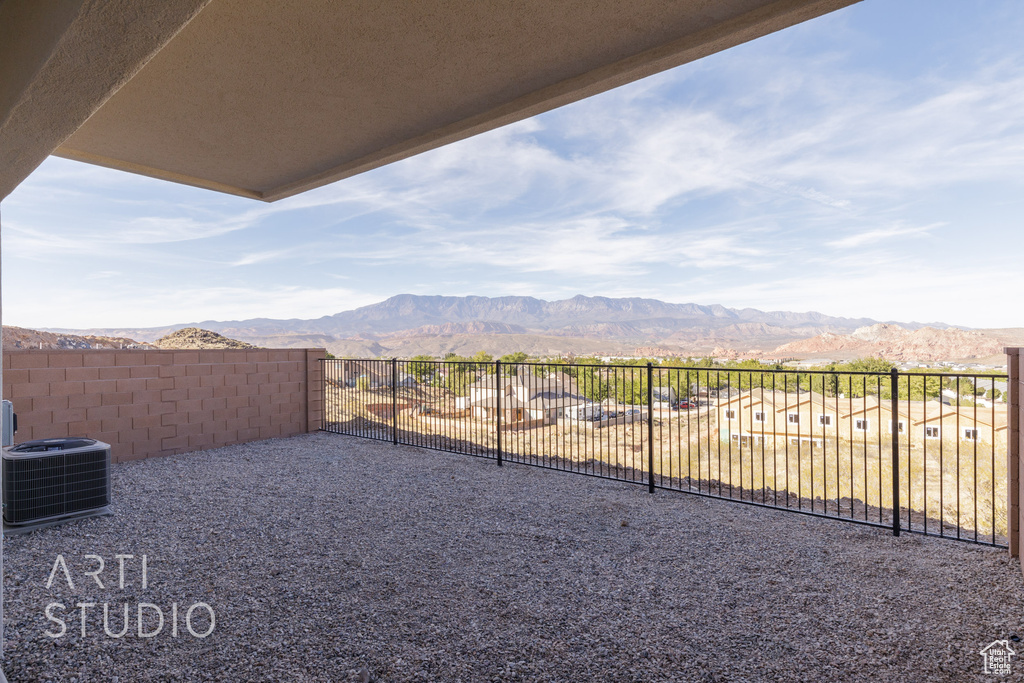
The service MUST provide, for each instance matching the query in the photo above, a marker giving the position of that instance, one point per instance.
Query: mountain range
(408, 324)
(598, 316)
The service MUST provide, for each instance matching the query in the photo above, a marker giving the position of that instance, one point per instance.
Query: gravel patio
(332, 558)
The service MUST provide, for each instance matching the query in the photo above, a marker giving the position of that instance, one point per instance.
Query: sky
(868, 163)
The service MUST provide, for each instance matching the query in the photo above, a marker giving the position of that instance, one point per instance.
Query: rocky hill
(23, 338)
(195, 338)
(896, 343)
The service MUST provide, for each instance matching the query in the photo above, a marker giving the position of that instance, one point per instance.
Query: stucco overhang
(266, 99)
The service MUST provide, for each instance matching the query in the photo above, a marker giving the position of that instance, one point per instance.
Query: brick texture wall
(151, 403)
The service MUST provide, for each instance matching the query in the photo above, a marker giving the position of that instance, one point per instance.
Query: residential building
(525, 397)
(811, 417)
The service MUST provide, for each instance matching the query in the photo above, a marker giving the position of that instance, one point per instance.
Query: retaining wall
(153, 403)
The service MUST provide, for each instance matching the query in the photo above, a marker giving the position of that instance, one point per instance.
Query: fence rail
(920, 451)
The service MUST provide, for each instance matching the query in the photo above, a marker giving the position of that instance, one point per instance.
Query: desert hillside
(23, 338)
(188, 338)
(893, 342)
(195, 338)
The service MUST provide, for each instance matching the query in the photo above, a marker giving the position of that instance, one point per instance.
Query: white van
(590, 412)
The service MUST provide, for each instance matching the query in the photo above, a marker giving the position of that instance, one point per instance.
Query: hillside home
(932, 420)
(810, 417)
(525, 397)
(968, 423)
(759, 414)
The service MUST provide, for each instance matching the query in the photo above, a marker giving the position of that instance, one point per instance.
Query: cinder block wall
(151, 403)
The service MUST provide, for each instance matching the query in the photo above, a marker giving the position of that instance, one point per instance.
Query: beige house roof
(775, 399)
(920, 412)
(968, 416)
(266, 99)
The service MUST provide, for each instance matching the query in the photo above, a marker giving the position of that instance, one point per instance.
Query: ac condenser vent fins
(55, 479)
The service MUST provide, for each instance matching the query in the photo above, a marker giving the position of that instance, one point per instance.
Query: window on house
(861, 425)
(971, 434)
(730, 414)
(931, 432)
(759, 417)
(825, 420)
(793, 418)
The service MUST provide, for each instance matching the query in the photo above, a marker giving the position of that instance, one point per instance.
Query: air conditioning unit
(54, 480)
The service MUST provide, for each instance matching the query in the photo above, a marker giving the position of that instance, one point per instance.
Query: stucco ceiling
(266, 99)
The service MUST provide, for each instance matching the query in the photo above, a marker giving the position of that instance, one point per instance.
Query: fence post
(323, 388)
(894, 376)
(1013, 443)
(498, 387)
(394, 401)
(650, 427)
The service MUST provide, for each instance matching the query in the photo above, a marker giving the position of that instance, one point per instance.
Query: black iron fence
(911, 451)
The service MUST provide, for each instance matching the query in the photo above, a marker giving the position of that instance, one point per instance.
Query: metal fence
(911, 451)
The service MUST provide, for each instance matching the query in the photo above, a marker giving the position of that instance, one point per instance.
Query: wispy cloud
(874, 236)
(263, 257)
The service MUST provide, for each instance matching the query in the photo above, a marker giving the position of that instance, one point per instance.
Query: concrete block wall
(153, 403)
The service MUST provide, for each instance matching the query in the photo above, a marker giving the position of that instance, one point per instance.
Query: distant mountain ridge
(408, 324)
(625, 319)
(407, 311)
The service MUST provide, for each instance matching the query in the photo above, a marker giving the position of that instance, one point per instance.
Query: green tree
(421, 367)
(592, 385)
(459, 376)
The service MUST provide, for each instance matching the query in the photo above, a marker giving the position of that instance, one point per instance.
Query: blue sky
(867, 163)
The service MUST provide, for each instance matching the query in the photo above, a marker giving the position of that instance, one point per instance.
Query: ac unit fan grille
(55, 485)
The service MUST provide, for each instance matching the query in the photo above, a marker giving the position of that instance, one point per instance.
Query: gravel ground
(331, 558)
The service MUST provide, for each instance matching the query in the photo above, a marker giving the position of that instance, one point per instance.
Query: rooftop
(322, 554)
